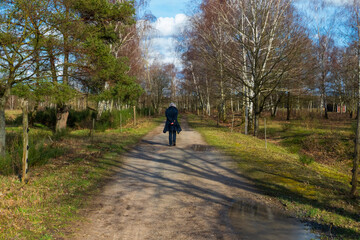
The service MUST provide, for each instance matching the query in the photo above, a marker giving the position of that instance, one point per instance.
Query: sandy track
(163, 192)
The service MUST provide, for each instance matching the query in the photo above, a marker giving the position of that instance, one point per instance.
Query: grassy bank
(316, 192)
(49, 203)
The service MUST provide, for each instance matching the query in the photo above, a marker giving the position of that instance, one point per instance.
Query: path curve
(163, 192)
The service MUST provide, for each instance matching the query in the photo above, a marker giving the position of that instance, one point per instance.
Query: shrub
(307, 160)
(81, 119)
(11, 163)
(45, 117)
(112, 119)
(147, 111)
(39, 153)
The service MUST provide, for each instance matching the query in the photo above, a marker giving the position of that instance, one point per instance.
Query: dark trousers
(172, 137)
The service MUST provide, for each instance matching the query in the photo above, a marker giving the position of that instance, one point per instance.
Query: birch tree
(197, 72)
(212, 38)
(356, 30)
(267, 39)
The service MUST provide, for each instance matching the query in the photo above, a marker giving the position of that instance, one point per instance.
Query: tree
(160, 81)
(267, 38)
(356, 30)
(90, 36)
(211, 36)
(171, 71)
(17, 50)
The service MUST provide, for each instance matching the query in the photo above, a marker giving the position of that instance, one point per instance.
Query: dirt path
(164, 192)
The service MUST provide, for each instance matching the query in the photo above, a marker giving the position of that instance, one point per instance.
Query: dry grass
(11, 115)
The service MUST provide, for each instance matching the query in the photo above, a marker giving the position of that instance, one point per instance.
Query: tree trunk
(256, 115)
(238, 104)
(61, 118)
(66, 47)
(326, 116)
(256, 124)
(355, 170)
(208, 106)
(222, 79)
(52, 64)
(12, 100)
(100, 110)
(246, 109)
(246, 119)
(231, 96)
(25, 160)
(251, 96)
(321, 104)
(288, 107)
(274, 113)
(111, 105)
(3, 100)
(298, 106)
(276, 105)
(2, 127)
(341, 107)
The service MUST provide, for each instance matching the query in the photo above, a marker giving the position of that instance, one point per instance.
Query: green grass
(41, 149)
(50, 202)
(314, 191)
(328, 141)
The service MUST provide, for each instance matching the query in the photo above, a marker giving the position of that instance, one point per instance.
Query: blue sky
(171, 18)
(167, 8)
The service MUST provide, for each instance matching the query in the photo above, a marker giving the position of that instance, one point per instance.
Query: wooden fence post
(134, 115)
(265, 133)
(232, 122)
(92, 130)
(120, 122)
(25, 160)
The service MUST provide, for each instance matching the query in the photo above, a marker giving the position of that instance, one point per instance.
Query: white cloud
(163, 42)
(163, 48)
(170, 26)
(340, 2)
(335, 3)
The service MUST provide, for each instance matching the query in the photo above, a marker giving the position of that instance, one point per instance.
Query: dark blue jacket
(172, 123)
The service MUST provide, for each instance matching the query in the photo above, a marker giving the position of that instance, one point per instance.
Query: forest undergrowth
(59, 187)
(306, 166)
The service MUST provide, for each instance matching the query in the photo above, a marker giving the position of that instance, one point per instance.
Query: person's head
(172, 105)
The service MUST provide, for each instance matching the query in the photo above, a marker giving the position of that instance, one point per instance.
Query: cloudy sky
(171, 18)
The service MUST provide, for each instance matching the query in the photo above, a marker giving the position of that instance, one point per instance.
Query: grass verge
(316, 192)
(49, 203)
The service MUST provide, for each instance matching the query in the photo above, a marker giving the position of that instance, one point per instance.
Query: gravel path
(162, 192)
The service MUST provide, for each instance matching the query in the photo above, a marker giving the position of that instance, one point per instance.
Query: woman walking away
(172, 125)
